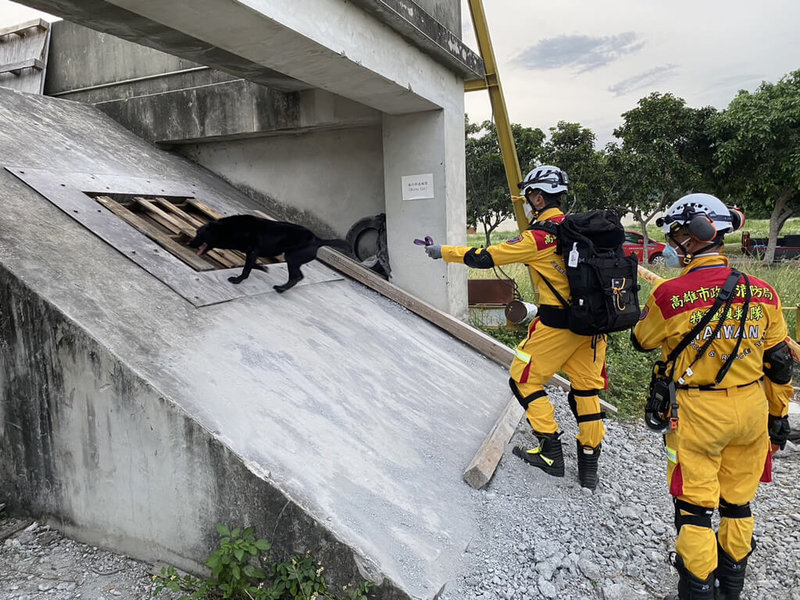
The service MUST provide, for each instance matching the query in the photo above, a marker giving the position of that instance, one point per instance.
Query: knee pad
(573, 405)
(699, 516)
(734, 511)
(524, 401)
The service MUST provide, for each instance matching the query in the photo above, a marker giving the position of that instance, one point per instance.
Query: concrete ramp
(329, 417)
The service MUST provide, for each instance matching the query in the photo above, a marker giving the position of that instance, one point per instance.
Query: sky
(12, 13)
(589, 61)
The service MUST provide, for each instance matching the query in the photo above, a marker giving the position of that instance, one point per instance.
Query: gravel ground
(542, 537)
(612, 544)
(37, 562)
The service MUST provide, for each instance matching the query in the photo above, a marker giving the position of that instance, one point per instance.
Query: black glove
(779, 430)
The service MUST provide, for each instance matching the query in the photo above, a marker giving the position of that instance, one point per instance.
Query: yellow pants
(547, 350)
(719, 450)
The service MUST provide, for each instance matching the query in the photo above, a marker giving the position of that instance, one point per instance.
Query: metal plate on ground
(74, 194)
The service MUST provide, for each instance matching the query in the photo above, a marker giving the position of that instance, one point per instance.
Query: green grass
(628, 370)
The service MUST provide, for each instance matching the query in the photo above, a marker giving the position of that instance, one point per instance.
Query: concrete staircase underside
(328, 417)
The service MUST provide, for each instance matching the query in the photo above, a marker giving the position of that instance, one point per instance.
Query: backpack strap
(552, 228)
(742, 322)
(725, 297)
(548, 226)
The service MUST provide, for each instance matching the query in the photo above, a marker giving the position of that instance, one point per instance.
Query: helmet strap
(690, 256)
(705, 249)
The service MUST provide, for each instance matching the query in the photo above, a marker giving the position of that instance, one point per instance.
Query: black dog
(261, 237)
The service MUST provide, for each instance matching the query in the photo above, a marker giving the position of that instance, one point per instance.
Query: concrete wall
(114, 68)
(328, 401)
(328, 179)
(426, 134)
(343, 70)
(82, 430)
(448, 13)
(311, 157)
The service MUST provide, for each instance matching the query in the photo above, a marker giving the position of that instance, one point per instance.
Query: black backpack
(603, 281)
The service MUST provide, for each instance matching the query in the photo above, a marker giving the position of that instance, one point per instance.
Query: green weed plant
(240, 570)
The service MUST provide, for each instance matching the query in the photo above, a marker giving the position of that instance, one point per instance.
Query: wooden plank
(204, 208)
(227, 258)
(187, 222)
(17, 67)
(482, 466)
(18, 29)
(484, 463)
(171, 208)
(158, 215)
(181, 252)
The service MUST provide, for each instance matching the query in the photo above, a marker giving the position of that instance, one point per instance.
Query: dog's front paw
(279, 288)
(236, 279)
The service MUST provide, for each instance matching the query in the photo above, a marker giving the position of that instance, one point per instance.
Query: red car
(634, 245)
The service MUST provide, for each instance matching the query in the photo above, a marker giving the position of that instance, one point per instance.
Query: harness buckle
(673, 416)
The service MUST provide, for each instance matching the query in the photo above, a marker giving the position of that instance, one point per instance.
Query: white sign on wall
(418, 187)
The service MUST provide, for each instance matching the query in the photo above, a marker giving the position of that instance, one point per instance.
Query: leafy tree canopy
(758, 151)
(488, 196)
(571, 148)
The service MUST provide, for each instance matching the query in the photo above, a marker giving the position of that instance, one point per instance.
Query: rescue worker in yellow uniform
(549, 346)
(730, 402)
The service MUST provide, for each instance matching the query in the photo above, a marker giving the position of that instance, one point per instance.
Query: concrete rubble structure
(375, 91)
(141, 406)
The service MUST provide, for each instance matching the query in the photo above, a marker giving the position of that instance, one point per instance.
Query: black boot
(689, 586)
(588, 458)
(730, 575)
(548, 456)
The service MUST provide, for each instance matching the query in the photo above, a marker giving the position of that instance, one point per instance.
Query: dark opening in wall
(171, 222)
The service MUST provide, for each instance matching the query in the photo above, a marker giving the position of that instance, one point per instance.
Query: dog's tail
(336, 243)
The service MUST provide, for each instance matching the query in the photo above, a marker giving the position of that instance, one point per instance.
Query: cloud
(643, 80)
(580, 52)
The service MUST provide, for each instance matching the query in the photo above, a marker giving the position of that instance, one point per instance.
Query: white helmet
(546, 178)
(704, 215)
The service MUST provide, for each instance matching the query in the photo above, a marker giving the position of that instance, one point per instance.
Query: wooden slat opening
(172, 223)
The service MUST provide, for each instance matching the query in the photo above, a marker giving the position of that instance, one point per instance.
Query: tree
(488, 196)
(661, 157)
(571, 148)
(758, 151)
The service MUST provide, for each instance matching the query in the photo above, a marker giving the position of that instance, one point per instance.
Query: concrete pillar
(428, 147)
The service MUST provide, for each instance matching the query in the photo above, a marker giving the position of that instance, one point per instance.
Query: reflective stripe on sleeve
(523, 356)
(672, 455)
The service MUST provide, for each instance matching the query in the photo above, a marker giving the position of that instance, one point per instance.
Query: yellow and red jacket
(676, 305)
(534, 247)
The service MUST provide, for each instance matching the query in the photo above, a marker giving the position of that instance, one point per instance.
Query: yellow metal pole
(501, 121)
(505, 137)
